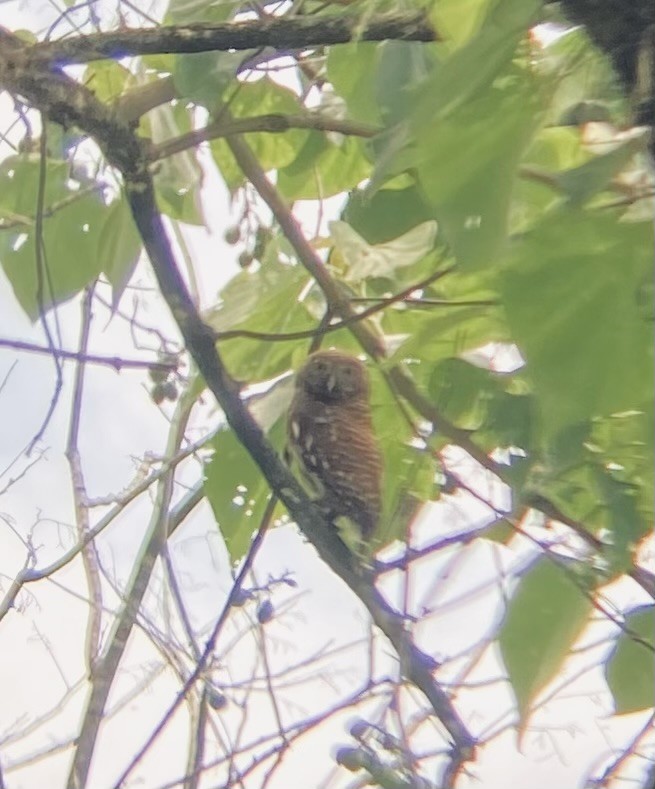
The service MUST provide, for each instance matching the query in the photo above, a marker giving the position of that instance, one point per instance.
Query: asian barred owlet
(331, 435)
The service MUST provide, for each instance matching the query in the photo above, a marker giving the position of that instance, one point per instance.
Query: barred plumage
(331, 434)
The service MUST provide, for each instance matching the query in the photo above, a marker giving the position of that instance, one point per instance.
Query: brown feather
(331, 434)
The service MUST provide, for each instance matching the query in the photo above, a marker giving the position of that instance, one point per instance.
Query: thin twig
(107, 664)
(40, 263)
(201, 664)
(117, 362)
(89, 555)
(273, 124)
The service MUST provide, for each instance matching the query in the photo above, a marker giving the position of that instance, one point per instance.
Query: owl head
(333, 377)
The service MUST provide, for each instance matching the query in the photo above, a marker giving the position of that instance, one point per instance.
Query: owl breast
(335, 445)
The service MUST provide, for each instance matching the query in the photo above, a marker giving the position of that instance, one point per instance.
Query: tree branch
(279, 32)
(272, 123)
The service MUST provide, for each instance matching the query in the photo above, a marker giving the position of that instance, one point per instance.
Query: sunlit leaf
(381, 260)
(570, 293)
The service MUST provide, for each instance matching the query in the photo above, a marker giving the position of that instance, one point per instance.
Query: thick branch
(280, 33)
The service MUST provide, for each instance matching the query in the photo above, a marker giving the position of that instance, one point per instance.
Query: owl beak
(331, 382)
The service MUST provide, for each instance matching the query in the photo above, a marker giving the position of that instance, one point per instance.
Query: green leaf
(204, 76)
(324, 168)
(440, 331)
(584, 181)
(70, 237)
(461, 391)
(575, 479)
(273, 149)
(351, 69)
(545, 615)
(409, 470)
(119, 247)
(477, 399)
(402, 67)
(468, 177)
(237, 492)
(624, 523)
(570, 291)
(458, 20)
(629, 669)
(107, 79)
(234, 485)
(465, 134)
(265, 300)
(19, 182)
(386, 214)
(473, 66)
(178, 178)
(536, 191)
(623, 445)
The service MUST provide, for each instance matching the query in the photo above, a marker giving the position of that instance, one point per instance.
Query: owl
(331, 435)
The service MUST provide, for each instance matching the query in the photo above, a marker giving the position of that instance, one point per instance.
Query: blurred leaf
(469, 176)
(623, 522)
(458, 20)
(19, 183)
(204, 76)
(438, 331)
(324, 168)
(473, 66)
(584, 181)
(403, 66)
(570, 294)
(351, 69)
(623, 445)
(629, 669)
(544, 617)
(386, 214)
(468, 126)
(409, 469)
(477, 399)
(536, 191)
